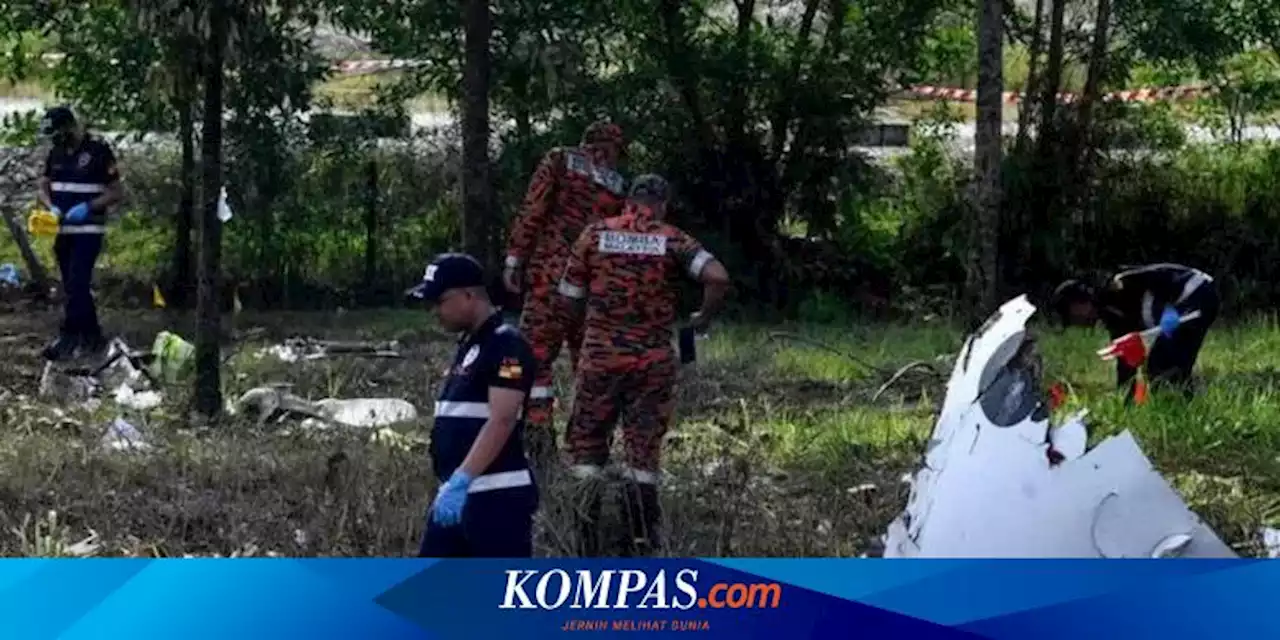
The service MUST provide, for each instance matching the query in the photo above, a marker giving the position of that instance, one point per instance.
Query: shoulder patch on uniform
(577, 163)
(644, 244)
(510, 368)
(609, 179)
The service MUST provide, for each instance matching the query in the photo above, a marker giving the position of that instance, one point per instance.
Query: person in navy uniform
(487, 496)
(79, 184)
(1140, 298)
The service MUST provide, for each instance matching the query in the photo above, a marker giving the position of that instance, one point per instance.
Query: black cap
(448, 271)
(57, 118)
(650, 187)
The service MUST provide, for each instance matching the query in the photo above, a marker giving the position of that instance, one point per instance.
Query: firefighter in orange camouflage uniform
(625, 269)
(570, 189)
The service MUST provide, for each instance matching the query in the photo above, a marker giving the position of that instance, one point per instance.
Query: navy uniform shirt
(495, 355)
(81, 175)
(1134, 299)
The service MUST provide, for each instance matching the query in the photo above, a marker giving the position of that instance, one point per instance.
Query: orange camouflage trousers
(541, 326)
(639, 392)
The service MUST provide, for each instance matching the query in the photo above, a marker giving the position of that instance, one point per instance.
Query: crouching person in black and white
(487, 496)
(1137, 299)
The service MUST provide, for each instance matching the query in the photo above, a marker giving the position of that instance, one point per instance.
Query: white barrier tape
(1150, 94)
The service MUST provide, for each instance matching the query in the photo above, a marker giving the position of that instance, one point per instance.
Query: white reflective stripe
(699, 262)
(571, 290)
(585, 471)
(462, 410)
(1192, 284)
(542, 393)
(1148, 309)
(504, 480)
(77, 187)
(638, 475)
(82, 229)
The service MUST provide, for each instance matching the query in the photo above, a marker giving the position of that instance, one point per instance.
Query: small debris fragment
(1271, 541)
(9, 274)
(122, 436)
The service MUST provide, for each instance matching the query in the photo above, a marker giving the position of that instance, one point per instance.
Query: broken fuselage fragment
(999, 482)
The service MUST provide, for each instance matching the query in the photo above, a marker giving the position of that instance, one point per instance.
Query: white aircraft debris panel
(999, 482)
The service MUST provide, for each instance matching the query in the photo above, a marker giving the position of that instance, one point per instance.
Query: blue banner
(809, 598)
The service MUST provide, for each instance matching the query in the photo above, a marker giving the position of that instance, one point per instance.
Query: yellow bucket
(42, 223)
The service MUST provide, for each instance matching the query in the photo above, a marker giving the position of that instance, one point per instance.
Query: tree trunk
(476, 190)
(39, 275)
(1052, 80)
(208, 382)
(1033, 67)
(180, 296)
(371, 229)
(675, 47)
(781, 125)
(1097, 69)
(983, 274)
(524, 125)
(736, 118)
(1085, 142)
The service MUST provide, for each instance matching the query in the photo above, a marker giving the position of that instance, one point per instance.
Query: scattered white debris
(9, 274)
(66, 387)
(284, 353)
(1271, 541)
(84, 548)
(122, 436)
(988, 488)
(295, 349)
(271, 403)
(368, 412)
(125, 396)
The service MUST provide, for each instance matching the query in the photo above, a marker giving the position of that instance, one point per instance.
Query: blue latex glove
(78, 213)
(1169, 321)
(452, 497)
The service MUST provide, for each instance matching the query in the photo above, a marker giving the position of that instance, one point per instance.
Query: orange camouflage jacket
(568, 191)
(626, 268)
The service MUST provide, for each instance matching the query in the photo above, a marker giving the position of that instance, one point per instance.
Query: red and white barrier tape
(1151, 94)
(373, 66)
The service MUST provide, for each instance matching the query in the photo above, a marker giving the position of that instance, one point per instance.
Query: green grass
(773, 435)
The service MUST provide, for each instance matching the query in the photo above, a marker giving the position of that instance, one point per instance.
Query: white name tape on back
(646, 244)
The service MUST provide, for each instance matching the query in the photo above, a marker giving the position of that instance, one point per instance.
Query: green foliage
(1249, 85)
(20, 128)
(1142, 125)
(317, 237)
